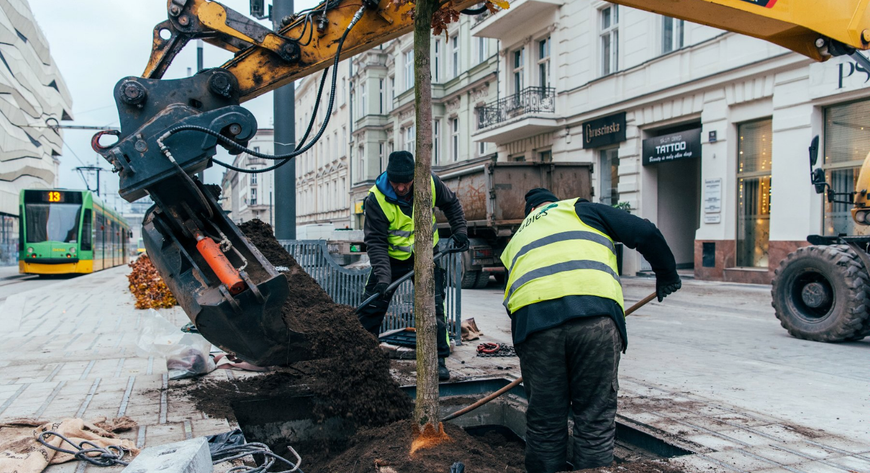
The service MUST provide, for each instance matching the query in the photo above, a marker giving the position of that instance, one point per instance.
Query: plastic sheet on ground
(186, 354)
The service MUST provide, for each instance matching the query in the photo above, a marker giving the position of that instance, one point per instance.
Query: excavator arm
(170, 130)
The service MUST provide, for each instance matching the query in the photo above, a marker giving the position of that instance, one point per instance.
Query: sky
(96, 43)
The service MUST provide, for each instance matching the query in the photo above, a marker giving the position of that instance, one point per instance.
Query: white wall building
(689, 125)
(248, 195)
(32, 91)
(322, 172)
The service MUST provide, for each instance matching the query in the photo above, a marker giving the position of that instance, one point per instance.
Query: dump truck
(170, 130)
(492, 194)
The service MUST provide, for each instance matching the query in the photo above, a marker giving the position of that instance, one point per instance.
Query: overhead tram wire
(300, 148)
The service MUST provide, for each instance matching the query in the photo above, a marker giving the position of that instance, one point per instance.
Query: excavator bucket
(249, 324)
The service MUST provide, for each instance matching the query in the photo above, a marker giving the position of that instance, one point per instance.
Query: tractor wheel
(820, 293)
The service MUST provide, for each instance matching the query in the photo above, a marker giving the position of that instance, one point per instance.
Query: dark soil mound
(389, 446)
(349, 376)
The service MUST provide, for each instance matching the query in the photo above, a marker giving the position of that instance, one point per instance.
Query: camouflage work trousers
(571, 367)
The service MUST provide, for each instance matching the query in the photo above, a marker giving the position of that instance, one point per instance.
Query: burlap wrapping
(20, 452)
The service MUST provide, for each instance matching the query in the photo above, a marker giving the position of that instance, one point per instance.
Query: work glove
(460, 241)
(665, 288)
(381, 288)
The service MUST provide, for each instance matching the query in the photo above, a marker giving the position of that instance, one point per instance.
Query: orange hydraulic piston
(220, 264)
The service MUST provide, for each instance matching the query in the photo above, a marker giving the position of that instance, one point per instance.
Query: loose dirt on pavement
(350, 378)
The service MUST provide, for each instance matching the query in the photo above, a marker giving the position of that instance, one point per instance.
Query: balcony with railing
(527, 113)
(508, 25)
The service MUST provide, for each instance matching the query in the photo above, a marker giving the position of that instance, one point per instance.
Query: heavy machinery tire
(482, 280)
(820, 293)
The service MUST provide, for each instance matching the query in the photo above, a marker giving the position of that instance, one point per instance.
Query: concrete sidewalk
(709, 369)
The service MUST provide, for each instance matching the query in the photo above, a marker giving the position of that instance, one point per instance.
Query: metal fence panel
(346, 286)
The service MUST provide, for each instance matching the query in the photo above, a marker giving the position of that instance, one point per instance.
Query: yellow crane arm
(794, 24)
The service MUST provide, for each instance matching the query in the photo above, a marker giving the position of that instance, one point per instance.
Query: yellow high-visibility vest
(400, 239)
(554, 254)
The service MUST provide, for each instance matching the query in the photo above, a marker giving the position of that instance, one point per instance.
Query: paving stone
(818, 467)
(777, 455)
(698, 463)
(742, 460)
(810, 450)
(851, 462)
(713, 442)
(844, 444)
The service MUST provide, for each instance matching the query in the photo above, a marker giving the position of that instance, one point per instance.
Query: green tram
(69, 231)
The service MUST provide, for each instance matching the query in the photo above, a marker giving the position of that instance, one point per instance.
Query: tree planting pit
(487, 440)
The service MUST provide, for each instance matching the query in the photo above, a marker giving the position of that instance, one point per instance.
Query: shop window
(609, 176)
(847, 142)
(754, 192)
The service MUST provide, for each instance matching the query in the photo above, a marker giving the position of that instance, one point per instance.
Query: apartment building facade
(323, 171)
(687, 125)
(33, 95)
(247, 196)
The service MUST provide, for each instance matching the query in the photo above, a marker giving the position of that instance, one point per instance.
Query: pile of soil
(350, 378)
(148, 287)
(349, 375)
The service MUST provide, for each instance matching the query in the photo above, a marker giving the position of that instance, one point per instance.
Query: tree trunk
(426, 412)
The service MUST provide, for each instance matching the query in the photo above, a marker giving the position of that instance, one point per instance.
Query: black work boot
(443, 372)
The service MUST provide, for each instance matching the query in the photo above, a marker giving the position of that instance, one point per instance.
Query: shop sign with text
(682, 145)
(604, 131)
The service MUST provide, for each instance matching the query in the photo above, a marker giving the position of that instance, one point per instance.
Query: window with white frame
(362, 100)
(409, 69)
(436, 61)
(544, 62)
(254, 196)
(343, 91)
(381, 97)
(401, 138)
(482, 49)
(392, 86)
(335, 145)
(454, 43)
(518, 69)
(343, 140)
(609, 39)
(355, 110)
(410, 139)
(436, 137)
(454, 139)
(481, 148)
(361, 158)
(672, 34)
(254, 177)
(328, 149)
(382, 157)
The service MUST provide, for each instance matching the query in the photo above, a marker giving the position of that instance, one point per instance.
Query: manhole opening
(279, 422)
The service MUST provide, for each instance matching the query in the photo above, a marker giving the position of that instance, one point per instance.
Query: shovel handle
(519, 380)
(404, 278)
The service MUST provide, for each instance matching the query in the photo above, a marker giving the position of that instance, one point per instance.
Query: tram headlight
(30, 250)
(72, 250)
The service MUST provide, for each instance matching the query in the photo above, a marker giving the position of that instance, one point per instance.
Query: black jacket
(634, 232)
(377, 226)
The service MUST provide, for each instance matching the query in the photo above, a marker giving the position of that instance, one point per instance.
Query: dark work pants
(373, 314)
(573, 366)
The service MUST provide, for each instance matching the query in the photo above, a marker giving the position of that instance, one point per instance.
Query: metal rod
(519, 380)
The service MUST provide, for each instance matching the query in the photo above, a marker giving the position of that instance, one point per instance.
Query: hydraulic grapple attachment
(228, 289)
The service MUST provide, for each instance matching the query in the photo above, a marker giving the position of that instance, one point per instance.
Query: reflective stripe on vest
(554, 254)
(400, 237)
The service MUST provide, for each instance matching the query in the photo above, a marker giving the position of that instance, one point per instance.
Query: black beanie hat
(538, 196)
(400, 167)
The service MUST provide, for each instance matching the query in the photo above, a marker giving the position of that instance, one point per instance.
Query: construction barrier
(346, 286)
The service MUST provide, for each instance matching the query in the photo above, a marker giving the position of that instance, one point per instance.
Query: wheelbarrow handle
(404, 278)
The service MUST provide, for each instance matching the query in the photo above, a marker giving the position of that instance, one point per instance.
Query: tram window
(87, 231)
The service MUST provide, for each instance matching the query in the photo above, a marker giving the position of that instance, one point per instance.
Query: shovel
(404, 278)
(519, 380)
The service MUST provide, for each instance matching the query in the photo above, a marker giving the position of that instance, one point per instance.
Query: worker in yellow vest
(564, 297)
(389, 238)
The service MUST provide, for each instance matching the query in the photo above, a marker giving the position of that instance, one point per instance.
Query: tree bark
(426, 412)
